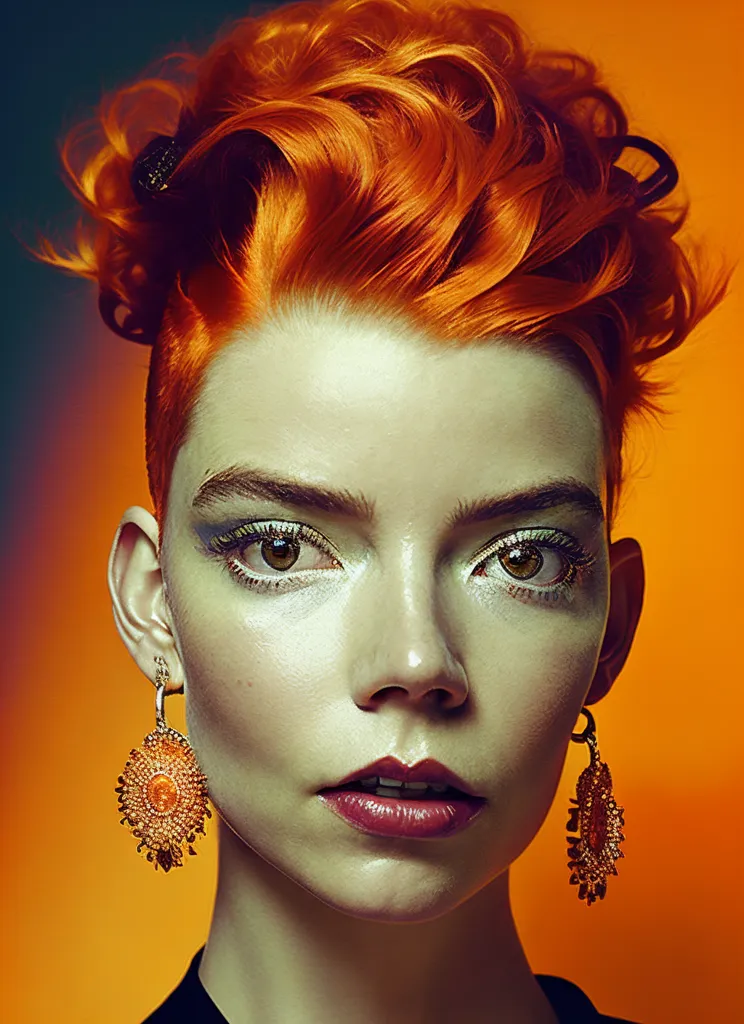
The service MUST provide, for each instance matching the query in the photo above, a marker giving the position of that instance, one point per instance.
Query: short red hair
(416, 155)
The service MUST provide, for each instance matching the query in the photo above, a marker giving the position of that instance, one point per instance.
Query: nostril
(436, 698)
(451, 700)
(388, 693)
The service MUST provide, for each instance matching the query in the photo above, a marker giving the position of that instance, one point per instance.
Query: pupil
(280, 553)
(523, 562)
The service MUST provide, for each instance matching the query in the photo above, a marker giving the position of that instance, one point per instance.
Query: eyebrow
(253, 484)
(534, 499)
(243, 482)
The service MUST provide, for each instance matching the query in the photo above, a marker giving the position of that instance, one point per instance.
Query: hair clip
(154, 165)
(657, 185)
(158, 160)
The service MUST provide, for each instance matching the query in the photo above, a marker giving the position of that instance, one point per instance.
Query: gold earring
(598, 820)
(162, 791)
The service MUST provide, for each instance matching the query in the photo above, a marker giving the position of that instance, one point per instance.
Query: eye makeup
(543, 564)
(274, 537)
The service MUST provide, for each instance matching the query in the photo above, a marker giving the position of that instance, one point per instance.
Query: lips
(390, 799)
(427, 771)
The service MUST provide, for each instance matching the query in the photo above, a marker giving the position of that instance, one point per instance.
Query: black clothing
(190, 1004)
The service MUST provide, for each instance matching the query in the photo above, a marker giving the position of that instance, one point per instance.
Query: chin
(392, 881)
(393, 904)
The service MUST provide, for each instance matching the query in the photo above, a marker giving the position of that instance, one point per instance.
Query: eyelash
(579, 560)
(247, 533)
(580, 563)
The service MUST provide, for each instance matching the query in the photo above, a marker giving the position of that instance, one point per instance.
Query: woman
(402, 303)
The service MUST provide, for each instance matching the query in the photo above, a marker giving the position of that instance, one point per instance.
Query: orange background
(91, 932)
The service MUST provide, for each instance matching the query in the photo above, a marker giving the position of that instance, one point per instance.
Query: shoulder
(188, 1002)
(571, 1005)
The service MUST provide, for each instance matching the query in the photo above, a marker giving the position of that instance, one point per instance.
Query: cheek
(535, 673)
(539, 676)
(540, 655)
(264, 677)
(256, 686)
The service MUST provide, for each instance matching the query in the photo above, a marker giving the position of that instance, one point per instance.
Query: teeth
(382, 786)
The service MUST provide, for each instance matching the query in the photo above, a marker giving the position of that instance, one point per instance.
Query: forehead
(347, 401)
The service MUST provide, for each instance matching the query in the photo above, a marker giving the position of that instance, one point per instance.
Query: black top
(190, 1002)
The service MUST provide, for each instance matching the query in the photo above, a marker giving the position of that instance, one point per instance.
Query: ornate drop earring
(162, 791)
(598, 820)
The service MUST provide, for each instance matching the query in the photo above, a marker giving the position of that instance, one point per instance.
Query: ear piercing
(162, 791)
(598, 820)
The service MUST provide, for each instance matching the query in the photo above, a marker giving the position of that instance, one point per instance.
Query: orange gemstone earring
(598, 820)
(162, 791)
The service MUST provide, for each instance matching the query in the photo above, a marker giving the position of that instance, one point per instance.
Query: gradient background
(90, 931)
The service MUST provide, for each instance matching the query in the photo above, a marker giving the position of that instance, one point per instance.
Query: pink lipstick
(389, 798)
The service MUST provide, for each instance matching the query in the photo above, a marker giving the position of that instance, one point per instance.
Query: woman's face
(389, 628)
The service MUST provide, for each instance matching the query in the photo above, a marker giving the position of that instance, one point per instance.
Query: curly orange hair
(418, 156)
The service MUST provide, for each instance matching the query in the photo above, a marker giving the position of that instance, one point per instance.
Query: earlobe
(137, 592)
(627, 582)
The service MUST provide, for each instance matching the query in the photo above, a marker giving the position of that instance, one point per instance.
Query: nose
(401, 642)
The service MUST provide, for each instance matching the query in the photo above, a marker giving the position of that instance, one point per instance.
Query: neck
(277, 952)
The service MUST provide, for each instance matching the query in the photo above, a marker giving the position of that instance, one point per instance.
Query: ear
(627, 581)
(140, 605)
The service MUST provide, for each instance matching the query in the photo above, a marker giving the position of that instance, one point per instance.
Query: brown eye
(280, 552)
(523, 561)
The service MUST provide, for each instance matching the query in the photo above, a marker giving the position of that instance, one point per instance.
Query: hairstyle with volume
(419, 158)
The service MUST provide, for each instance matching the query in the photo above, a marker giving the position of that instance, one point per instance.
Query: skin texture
(399, 643)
